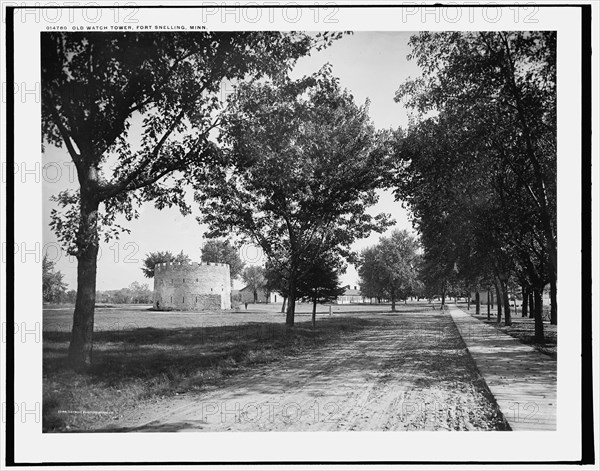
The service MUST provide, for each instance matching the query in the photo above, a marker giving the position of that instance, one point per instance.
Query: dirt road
(409, 371)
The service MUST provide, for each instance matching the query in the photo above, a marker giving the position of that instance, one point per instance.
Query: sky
(371, 65)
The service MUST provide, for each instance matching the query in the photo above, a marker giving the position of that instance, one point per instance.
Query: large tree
(140, 293)
(394, 261)
(222, 251)
(304, 163)
(322, 282)
(254, 278)
(154, 258)
(135, 112)
(53, 286)
(276, 281)
(372, 281)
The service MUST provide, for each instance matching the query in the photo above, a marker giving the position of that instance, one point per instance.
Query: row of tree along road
(293, 165)
(478, 167)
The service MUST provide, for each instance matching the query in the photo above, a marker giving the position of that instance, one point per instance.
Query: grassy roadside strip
(139, 364)
(522, 329)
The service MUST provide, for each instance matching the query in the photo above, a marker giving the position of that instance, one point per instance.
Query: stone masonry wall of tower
(192, 286)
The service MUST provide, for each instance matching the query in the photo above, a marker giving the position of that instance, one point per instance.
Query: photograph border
(587, 419)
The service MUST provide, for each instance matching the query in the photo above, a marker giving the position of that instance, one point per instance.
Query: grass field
(140, 354)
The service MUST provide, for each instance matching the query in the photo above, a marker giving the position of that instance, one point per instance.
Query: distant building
(351, 295)
(262, 296)
(483, 296)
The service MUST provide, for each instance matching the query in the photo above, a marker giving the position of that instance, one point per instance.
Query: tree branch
(66, 135)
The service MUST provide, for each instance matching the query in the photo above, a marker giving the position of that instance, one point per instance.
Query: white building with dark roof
(351, 295)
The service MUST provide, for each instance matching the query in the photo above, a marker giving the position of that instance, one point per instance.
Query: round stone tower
(192, 286)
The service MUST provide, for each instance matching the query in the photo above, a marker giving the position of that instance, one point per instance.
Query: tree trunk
(443, 296)
(553, 306)
(80, 347)
(491, 298)
(537, 316)
(477, 303)
(507, 318)
(314, 313)
(393, 294)
(291, 308)
(531, 304)
(525, 292)
(541, 197)
(498, 303)
(255, 296)
(468, 302)
(283, 304)
(489, 294)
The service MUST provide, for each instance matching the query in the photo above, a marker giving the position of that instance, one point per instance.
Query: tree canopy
(390, 268)
(322, 282)
(254, 278)
(53, 286)
(303, 165)
(96, 86)
(221, 251)
(153, 258)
